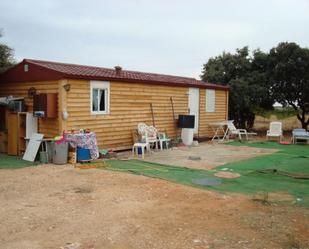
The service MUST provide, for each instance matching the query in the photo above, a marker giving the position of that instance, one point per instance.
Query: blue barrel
(83, 154)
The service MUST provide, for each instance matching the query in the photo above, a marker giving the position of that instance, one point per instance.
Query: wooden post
(62, 100)
(153, 121)
(175, 125)
(227, 105)
(199, 113)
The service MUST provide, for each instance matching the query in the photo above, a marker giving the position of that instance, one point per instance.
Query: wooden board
(33, 147)
(12, 134)
(21, 130)
(3, 142)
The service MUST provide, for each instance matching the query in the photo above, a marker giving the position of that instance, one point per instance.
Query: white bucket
(187, 136)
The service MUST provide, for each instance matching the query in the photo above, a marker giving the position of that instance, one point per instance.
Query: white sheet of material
(33, 147)
(31, 124)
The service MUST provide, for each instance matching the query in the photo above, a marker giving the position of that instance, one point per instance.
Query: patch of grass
(13, 162)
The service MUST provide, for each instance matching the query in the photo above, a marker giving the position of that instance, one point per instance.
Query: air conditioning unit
(17, 106)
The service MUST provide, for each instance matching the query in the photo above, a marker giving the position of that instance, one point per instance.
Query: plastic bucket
(60, 155)
(83, 154)
(139, 150)
(187, 136)
(43, 157)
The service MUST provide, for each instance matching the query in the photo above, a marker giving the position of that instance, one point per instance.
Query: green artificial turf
(292, 159)
(13, 162)
(171, 173)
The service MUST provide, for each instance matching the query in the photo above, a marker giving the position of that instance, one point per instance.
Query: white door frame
(194, 106)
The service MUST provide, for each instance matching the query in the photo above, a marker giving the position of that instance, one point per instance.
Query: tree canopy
(259, 79)
(289, 64)
(247, 79)
(6, 56)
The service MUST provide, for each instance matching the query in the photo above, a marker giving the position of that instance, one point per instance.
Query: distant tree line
(257, 80)
(6, 56)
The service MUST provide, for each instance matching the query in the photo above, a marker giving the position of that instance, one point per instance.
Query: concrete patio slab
(211, 155)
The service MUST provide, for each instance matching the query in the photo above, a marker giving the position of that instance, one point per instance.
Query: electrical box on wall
(186, 121)
(45, 104)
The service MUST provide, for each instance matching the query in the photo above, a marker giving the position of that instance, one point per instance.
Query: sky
(170, 37)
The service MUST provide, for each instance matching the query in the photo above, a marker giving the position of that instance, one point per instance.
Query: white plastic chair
(234, 131)
(149, 135)
(152, 136)
(163, 139)
(275, 130)
(142, 128)
(300, 134)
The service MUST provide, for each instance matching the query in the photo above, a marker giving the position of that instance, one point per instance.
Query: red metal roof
(47, 70)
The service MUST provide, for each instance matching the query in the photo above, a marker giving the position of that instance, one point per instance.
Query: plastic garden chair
(149, 135)
(236, 132)
(275, 130)
(300, 134)
(152, 136)
(163, 139)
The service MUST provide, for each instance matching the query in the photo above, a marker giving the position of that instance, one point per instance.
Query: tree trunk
(302, 118)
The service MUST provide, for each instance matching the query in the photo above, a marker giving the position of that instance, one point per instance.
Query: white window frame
(103, 85)
(210, 96)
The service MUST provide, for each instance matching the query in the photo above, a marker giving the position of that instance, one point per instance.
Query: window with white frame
(210, 100)
(99, 97)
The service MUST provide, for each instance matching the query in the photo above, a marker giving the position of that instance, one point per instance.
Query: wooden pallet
(88, 165)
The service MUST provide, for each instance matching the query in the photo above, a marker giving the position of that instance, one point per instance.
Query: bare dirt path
(62, 207)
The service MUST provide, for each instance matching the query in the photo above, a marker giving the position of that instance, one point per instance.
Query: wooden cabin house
(111, 102)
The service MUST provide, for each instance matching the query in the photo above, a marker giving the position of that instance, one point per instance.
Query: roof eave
(119, 79)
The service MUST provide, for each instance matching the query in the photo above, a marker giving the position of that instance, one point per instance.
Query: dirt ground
(288, 124)
(65, 208)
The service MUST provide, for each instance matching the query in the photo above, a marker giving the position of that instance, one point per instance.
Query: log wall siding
(129, 105)
(48, 127)
(221, 109)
